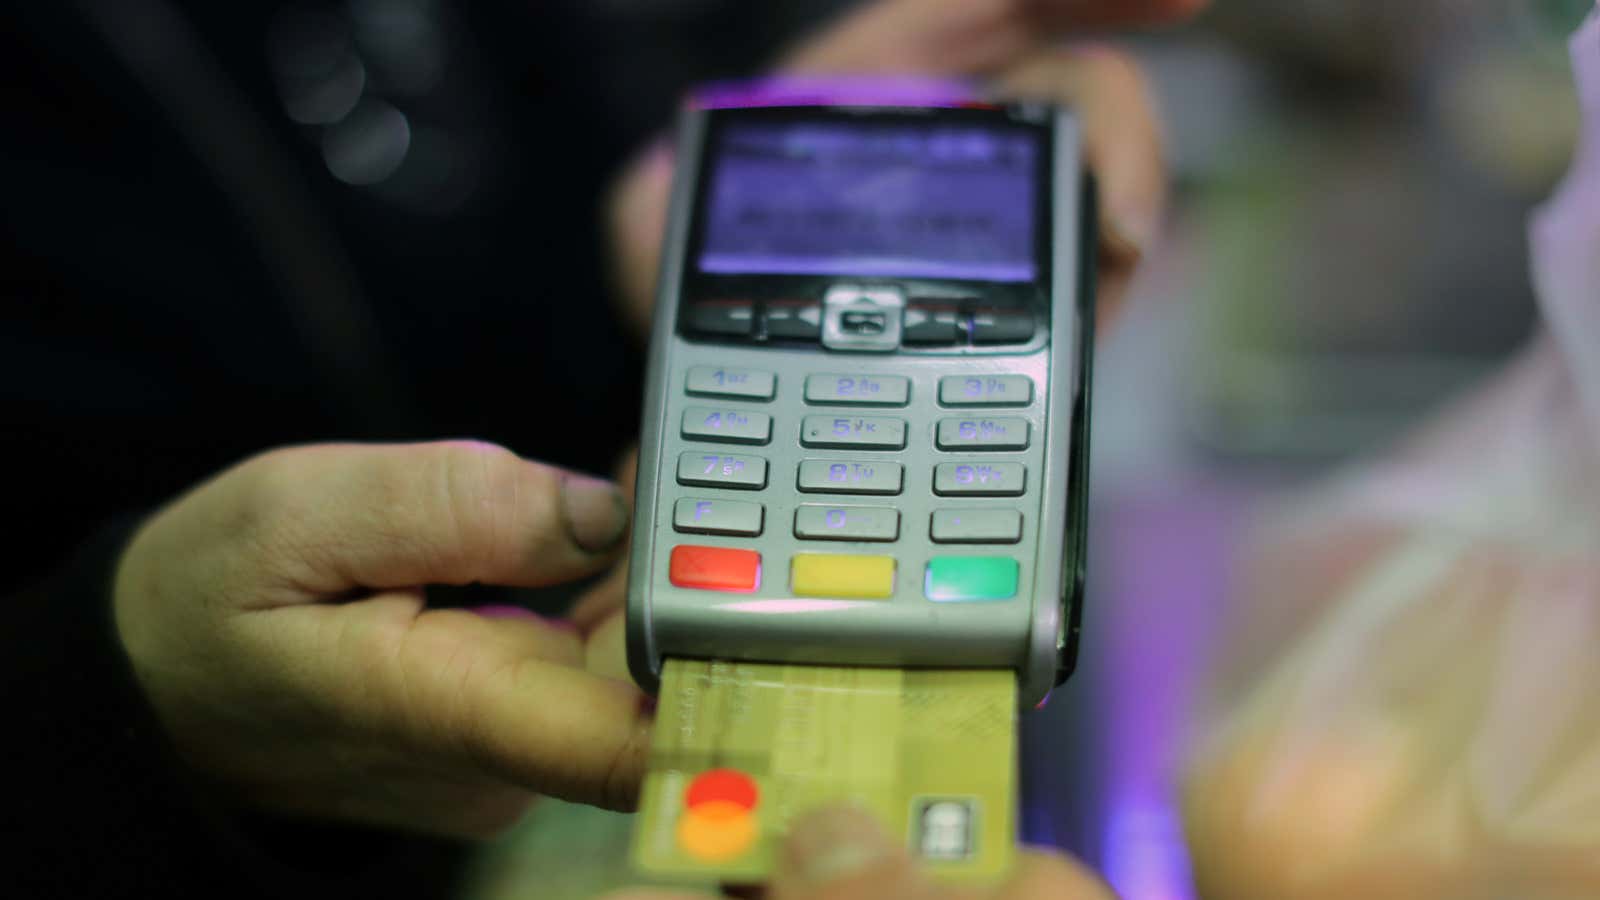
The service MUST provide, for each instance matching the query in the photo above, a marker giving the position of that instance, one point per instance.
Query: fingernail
(596, 516)
(835, 843)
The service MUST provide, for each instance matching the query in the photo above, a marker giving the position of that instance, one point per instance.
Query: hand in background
(1006, 42)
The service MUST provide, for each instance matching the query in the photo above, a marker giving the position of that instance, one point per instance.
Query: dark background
(187, 282)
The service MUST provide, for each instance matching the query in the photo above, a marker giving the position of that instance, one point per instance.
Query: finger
(1041, 875)
(515, 635)
(1122, 146)
(843, 854)
(636, 212)
(343, 517)
(562, 731)
(962, 37)
(606, 649)
(503, 701)
(607, 596)
(627, 471)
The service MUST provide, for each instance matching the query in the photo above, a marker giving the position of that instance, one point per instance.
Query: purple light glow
(1154, 644)
(1144, 855)
(837, 91)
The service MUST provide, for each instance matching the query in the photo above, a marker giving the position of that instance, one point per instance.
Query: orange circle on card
(716, 830)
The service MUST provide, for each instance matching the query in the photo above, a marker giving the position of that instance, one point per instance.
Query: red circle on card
(721, 785)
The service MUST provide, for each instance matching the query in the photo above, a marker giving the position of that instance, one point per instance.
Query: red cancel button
(715, 568)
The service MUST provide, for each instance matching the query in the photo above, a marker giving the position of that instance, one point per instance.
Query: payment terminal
(866, 419)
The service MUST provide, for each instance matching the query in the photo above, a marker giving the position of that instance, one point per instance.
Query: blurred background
(234, 226)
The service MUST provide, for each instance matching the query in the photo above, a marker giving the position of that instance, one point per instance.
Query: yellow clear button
(838, 575)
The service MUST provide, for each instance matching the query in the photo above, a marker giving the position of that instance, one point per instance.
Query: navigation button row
(931, 325)
(799, 320)
(923, 321)
(746, 319)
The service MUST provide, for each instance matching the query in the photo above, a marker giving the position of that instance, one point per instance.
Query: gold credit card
(741, 748)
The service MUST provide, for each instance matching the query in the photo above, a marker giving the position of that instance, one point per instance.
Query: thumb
(344, 517)
(843, 854)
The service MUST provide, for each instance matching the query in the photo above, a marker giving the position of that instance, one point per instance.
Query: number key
(979, 479)
(858, 390)
(985, 390)
(983, 434)
(858, 432)
(716, 381)
(976, 526)
(849, 476)
(742, 473)
(846, 523)
(726, 426)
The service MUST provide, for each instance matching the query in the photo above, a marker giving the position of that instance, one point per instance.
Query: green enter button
(963, 579)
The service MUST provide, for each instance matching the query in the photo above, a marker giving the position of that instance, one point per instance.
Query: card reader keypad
(966, 444)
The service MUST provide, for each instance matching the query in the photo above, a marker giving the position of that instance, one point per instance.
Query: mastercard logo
(718, 821)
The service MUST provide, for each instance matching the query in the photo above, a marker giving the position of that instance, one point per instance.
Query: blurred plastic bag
(1430, 724)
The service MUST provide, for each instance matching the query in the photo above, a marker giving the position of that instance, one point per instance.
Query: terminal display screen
(835, 197)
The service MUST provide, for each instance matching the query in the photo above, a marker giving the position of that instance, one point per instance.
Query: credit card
(741, 748)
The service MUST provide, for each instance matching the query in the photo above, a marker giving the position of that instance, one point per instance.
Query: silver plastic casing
(1034, 633)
